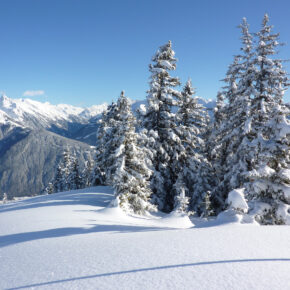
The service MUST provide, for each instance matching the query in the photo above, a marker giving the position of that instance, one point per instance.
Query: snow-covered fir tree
(104, 145)
(4, 198)
(50, 188)
(231, 126)
(88, 176)
(190, 160)
(181, 200)
(74, 178)
(268, 133)
(128, 171)
(159, 121)
(66, 168)
(63, 180)
(252, 152)
(59, 181)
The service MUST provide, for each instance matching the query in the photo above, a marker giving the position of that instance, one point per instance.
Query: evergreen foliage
(190, 161)
(180, 160)
(269, 131)
(88, 176)
(74, 177)
(128, 171)
(232, 120)
(253, 149)
(104, 145)
(67, 175)
(159, 121)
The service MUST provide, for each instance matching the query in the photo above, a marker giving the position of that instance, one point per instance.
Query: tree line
(172, 156)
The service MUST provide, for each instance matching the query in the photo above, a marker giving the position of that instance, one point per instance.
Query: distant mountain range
(33, 136)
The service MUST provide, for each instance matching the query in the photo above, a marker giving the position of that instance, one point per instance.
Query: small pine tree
(5, 198)
(206, 206)
(181, 200)
(50, 188)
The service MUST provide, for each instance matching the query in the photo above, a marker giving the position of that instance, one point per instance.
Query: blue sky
(84, 52)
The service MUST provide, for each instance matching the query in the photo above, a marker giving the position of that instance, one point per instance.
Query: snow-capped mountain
(34, 114)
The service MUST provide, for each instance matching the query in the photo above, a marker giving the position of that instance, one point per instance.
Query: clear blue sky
(84, 52)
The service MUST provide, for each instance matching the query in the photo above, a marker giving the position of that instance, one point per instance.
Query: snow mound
(232, 216)
(115, 215)
(237, 201)
(284, 213)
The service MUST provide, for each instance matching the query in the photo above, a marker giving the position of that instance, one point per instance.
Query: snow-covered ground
(71, 241)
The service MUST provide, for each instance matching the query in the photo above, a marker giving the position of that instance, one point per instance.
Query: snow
(284, 212)
(71, 241)
(265, 171)
(236, 200)
(24, 110)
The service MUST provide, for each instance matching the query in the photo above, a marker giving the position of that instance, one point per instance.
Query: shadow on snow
(18, 238)
(75, 197)
(151, 269)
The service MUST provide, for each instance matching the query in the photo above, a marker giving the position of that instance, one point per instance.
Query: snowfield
(71, 241)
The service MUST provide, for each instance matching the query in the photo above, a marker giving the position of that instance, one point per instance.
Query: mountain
(33, 138)
(29, 158)
(62, 119)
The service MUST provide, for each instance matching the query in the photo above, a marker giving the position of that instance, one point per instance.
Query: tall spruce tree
(254, 144)
(229, 159)
(128, 171)
(269, 132)
(190, 160)
(159, 121)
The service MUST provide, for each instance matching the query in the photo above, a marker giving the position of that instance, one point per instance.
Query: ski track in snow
(71, 241)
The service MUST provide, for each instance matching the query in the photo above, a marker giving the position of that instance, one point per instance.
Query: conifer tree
(229, 163)
(74, 179)
(190, 160)
(87, 173)
(269, 132)
(67, 165)
(254, 147)
(59, 183)
(50, 188)
(128, 171)
(5, 198)
(159, 122)
(104, 145)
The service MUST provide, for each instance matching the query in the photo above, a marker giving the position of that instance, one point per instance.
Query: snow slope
(69, 241)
